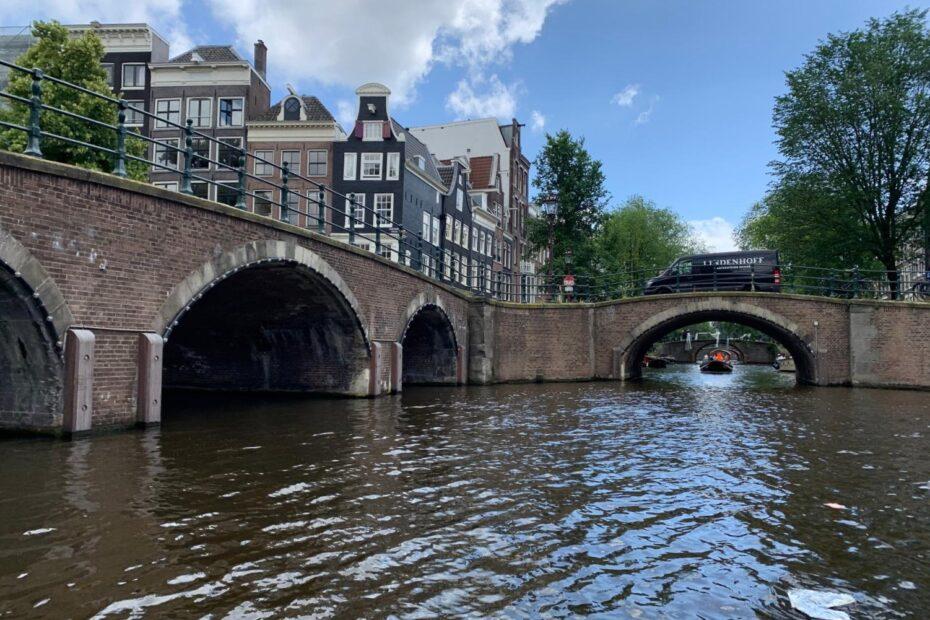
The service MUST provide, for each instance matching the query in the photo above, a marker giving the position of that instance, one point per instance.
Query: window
(421, 163)
(313, 208)
(459, 199)
(133, 76)
(355, 213)
(348, 166)
(371, 166)
(372, 130)
(200, 111)
(169, 185)
(435, 231)
(293, 204)
(449, 222)
(166, 153)
(228, 151)
(231, 109)
(262, 202)
(465, 236)
(475, 239)
(682, 267)
(393, 166)
(384, 209)
(316, 163)
(201, 159)
(457, 232)
(487, 244)
(424, 232)
(292, 109)
(108, 69)
(135, 118)
(263, 169)
(201, 189)
(167, 110)
(388, 252)
(447, 264)
(292, 159)
(227, 194)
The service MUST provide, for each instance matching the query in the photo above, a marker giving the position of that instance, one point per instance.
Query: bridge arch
(430, 345)
(629, 353)
(33, 320)
(267, 316)
(735, 350)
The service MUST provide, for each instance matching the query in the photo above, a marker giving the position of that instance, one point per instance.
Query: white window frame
(219, 108)
(372, 158)
(447, 264)
(110, 70)
(264, 194)
(325, 162)
(209, 115)
(349, 166)
(198, 183)
(264, 154)
(366, 125)
(209, 158)
(227, 141)
(291, 169)
(449, 224)
(359, 220)
(166, 141)
(231, 185)
(392, 173)
(436, 226)
(465, 228)
(314, 208)
(457, 232)
(122, 77)
(459, 199)
(160, 124)
(426, 227)
(380, 220)
(475, 238)
(136, 103)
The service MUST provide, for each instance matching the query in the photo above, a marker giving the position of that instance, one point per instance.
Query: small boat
(717, 360)
(654, 362)
(784, 363)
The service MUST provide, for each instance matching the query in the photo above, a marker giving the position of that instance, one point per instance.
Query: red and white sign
(568, 283)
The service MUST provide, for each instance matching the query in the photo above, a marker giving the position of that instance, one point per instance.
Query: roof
(446, 171)
(314, 110)
(415, 148)
(481, 168)
(209, 53)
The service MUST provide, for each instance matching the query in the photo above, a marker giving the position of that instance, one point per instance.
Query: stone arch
(629, 352)
(34, 318)
(736, 350)
(267, 316)
(430, 344)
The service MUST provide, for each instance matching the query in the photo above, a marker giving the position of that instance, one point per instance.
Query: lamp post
(568, 283)
(549, 206)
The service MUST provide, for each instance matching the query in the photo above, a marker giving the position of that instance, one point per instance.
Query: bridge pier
(79, 381)
(148, 401)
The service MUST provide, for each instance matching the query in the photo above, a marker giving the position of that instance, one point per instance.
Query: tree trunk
(891, 272)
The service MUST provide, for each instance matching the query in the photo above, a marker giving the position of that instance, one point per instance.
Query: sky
(673, 96)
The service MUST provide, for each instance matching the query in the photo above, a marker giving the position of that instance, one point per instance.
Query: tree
(75, 60)
(566, 173)
(641, 237)
(857, 116)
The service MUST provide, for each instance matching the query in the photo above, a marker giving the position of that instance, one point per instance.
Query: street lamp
(568, 282)
(549, 206)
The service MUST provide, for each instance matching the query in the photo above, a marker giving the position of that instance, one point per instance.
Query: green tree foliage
(75, 60)
(566, 172)
(857, 116)
(641, 237)
(809, 224)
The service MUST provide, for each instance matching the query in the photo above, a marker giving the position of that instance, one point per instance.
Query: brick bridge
(110, 288)
(746, 351)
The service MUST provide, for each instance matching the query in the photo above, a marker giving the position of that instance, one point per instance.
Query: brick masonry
(121, 258)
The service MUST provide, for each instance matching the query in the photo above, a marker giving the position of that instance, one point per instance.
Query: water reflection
(682, 495)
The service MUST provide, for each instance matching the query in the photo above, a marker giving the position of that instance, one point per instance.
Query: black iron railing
(430, 257)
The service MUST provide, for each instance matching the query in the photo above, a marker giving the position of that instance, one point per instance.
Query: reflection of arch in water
(734, 350)
(629, 353)
(430, 349)
(33, 320)
(277, 318)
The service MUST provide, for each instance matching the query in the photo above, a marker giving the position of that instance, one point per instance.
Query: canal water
(681, 496)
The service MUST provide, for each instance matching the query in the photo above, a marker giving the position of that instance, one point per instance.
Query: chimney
(261, 58)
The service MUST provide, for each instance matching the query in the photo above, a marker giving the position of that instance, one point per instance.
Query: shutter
(386, 130)
(359, 130)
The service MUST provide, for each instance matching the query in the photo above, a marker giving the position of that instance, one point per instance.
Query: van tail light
(777, 273)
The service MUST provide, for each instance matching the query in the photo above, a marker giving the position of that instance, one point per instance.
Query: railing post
(240, 172)
(420, 252)
(752, 278)
(285, 216)
(188, 156)
(321, 212)
(855, 281)
(34, 146)
(119, 169)
(376, 220)
(350, 214)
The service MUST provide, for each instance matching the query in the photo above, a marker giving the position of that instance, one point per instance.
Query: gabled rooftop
(208, 53)
(314, 111)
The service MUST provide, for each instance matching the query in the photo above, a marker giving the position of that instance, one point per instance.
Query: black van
(758, 270)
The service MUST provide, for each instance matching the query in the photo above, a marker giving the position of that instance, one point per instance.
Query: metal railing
(363, 224)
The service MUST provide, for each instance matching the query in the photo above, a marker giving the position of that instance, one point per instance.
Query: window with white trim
(393, 166)
(200, 189)
(457, 232)
(435, 231)
(447, 264)
(459, 199)
(200, 111)
(372, 131)
(355, 214)
(464, 235)
(165, 154)
(426, 227)
(314, 208)
(201, 149)
(348, 166)
(371, 166)
(292, 159)
(293, 203)
(475, 238)
(134, 118)
(108, 69)
(261, 168)
(227, 152)
(227, 194)
(449, 225)
(133, 76)
(384, 209)
(231, 112)
(316, 163)
(261, 204)
(167, 110)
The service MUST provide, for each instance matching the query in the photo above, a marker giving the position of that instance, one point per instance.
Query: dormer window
(421, 163)
(292, 109)
(372, 131)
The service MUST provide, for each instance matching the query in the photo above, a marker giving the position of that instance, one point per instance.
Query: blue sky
(674, 96)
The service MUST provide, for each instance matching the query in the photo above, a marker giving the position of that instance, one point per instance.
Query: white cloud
(715, 233)
(643, 117)
(625, 97)
(351, 42)
(346, 113)
(164, 15)
(497, 99)
(537, 121)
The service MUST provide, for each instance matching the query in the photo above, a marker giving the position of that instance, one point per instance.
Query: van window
(682, 268)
